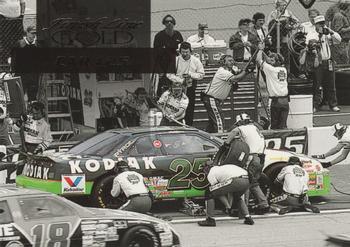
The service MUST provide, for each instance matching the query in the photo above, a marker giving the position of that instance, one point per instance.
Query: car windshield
(100, 145)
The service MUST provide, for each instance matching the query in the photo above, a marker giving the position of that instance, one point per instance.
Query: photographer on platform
(310, 60)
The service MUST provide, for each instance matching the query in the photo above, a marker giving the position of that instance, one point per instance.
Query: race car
(36, 218)
(170, 159)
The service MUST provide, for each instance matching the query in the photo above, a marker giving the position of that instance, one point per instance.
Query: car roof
(10, 190)
(158, 129)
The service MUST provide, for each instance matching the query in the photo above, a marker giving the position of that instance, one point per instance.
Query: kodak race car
(170, 159)
(36, 218)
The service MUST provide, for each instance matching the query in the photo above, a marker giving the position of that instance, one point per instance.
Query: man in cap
(243, 43)
(202, 36)
(294, 180)
(173, 103)
(310, 25)
(325, 71)
(134, 188)
(37, 134)
(224, 80)
(342, 133)
(280, 5)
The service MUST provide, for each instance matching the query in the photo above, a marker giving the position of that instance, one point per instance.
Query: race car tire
(101, 195)
(272, 172)
(141, 236)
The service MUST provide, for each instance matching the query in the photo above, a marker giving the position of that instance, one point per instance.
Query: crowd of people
(254, 44)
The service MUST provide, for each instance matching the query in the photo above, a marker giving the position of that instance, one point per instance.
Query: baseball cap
(202, 25)
(319, 19)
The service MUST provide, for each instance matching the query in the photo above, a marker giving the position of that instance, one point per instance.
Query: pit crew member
(277, 86)
(294, 179)
(342, 133)
(37, 134)
(251, 135)
(134, 188)
(173, 103)
(226, 180)
(218, 90)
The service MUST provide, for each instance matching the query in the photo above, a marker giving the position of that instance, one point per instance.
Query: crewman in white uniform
(342, 133)
(37, 134)
(134, 188)
(226, 180)
(173, 104)
(294, 179)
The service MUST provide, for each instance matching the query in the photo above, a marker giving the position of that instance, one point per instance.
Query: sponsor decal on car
(93, 165)
(73, 184)
(35, 171)
(8, 233)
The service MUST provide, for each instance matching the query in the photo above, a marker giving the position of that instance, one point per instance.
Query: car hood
(120, 214)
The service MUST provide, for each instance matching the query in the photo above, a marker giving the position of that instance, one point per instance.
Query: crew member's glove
(326, 164)
(319, 156)
(38, 150)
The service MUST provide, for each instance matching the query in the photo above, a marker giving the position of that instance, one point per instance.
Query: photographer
(310, 59)
(326, 70)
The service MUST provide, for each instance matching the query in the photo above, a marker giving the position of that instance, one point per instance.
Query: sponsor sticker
(157, 144)
(73, 184)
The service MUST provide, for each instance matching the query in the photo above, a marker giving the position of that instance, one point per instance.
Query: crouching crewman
(294, 179)
(134, 188)
(228, 183)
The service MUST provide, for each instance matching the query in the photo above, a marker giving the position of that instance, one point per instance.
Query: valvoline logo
(73, 184)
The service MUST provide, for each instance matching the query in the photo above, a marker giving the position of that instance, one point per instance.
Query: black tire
(223, 156)
(139, 236)
(101, 195)
(272, 172)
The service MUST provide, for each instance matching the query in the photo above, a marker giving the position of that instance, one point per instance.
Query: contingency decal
(97, 232)
(157, 144)
(158, 186)
(73, 184)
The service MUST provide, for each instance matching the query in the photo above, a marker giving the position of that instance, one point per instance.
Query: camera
(325, 31)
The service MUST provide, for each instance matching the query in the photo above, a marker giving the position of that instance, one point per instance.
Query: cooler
(214, 52)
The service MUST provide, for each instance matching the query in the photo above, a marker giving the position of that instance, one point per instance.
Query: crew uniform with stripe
(216, 92)
(132, 184)
(172, 105)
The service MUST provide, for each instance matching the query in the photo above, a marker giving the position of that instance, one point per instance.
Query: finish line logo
(73, 184)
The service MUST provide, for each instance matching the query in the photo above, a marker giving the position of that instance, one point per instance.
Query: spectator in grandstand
(277, 86)
(225, 80)
(11, 23)
(310, 25)
(326, 70)
(30, 81)
(189, 69)
(167, 38)
(202, 36)
(243, 43)
(310, 60)
(340, 24)
(280, 5)
(261, 32)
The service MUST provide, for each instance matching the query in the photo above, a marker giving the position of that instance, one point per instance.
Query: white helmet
(242, 118)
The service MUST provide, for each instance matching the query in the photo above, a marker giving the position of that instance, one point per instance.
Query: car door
(184, 156)
(50, 221)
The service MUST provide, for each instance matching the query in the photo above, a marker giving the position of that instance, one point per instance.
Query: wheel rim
(106, 199)
(141, 240)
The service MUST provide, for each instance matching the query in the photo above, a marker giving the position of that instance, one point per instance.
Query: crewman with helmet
(251, 135)
(173, 104)
(134, 188)
(37, 134)
(342, 133)
(294, 180)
